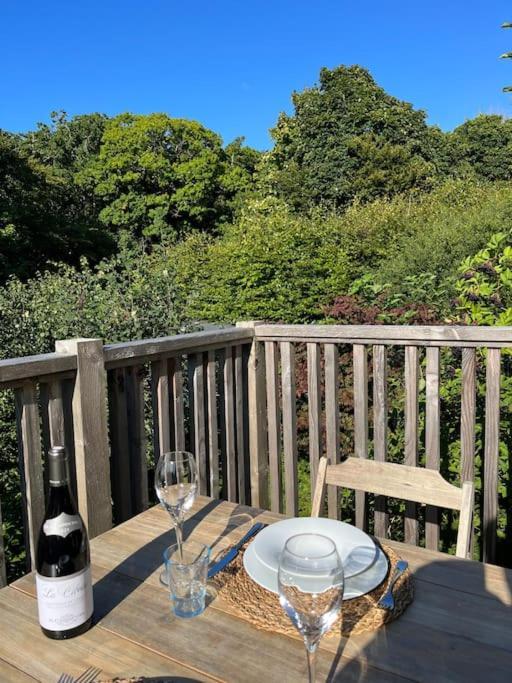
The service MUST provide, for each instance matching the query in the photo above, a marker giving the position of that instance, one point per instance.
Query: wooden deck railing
(229, 395)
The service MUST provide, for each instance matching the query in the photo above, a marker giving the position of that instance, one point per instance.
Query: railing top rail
(416, 335)
(28, 367)
(150, 349)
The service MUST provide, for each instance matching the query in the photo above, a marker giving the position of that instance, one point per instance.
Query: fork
(387, 601)
(86, 676)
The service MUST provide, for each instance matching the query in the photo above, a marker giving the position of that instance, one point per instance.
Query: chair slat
(273, 424)
(491, 451)
(411, 436)
(380, 426)
(397, 481)
(289, 428)
(332, 423)
(31, 466)
(213, 429)
(432, 439)
(360, 422)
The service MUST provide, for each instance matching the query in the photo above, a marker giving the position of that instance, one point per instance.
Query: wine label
(62, 525)
(65, 602)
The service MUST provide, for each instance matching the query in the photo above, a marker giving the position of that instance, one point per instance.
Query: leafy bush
(270, 265)
(129, 297)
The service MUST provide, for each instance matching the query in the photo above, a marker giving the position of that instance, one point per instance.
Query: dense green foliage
(142, 225)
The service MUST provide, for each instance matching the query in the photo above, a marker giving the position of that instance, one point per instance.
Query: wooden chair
(415, 484)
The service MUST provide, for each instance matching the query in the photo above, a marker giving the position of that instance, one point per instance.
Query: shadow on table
(442, 635)
(123, 579)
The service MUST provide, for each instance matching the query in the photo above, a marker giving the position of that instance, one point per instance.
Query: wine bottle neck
(58, 472)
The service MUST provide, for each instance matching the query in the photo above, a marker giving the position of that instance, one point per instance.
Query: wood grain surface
(457, 628)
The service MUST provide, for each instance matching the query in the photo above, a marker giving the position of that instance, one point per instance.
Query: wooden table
(459, 627)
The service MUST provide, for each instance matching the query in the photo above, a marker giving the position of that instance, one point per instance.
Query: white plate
(354, 587)
(356, 549)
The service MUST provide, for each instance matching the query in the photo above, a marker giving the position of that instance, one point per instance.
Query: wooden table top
(459, 627)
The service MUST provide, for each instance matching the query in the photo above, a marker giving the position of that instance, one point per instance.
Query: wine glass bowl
(176, 488)
(311, 583)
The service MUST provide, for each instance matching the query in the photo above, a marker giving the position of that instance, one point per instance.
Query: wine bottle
(63, 568)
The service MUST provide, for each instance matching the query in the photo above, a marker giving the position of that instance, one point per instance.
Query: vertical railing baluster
(314, 412)
(119, 445)
(229, 419)
(239, 421)
(178, 403)
(468, 417)
(289, 428)
(273, 424)
(332, 423)
(134, 379)
(3, 567)
(491, 453)
(380, 426)
(213, 430)
(432, 439)
(361, 423)
(160, 395)
(411, 436)
(199, 436)
(31, 466)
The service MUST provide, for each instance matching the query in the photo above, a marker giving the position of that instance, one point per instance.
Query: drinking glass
(311, 585)
(176, 488)
(187, 570)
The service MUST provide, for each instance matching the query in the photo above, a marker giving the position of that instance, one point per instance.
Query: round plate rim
(324, 520)
(382, 557)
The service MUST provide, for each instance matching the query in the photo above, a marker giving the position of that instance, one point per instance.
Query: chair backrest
(415, 484)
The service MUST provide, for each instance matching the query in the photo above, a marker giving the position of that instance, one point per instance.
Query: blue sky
(233, 64)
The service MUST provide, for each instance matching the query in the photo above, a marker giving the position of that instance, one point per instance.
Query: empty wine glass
(311, 585)
(176, 488)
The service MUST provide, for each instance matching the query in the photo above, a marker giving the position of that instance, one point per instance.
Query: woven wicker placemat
(248, 600)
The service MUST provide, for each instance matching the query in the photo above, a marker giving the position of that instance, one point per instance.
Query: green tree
(483, 146)
(347, 137)
(158, 178)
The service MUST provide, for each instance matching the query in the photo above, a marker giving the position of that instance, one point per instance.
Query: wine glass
(311, 583)
(176, 488)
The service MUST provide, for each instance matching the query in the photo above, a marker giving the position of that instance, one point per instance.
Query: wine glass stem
(311, 654)
(179, 536)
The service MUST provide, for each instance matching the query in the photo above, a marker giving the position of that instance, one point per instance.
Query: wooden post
(258, 456)
(90, 429)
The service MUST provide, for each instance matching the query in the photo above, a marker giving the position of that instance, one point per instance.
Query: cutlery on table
(216, 567)
(387, 601)
(87, 676)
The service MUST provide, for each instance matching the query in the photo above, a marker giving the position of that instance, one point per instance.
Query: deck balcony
(259, 404)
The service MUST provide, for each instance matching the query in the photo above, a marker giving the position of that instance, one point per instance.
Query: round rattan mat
(261, 608)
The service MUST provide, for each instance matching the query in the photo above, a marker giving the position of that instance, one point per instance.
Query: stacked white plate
(364, 563)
